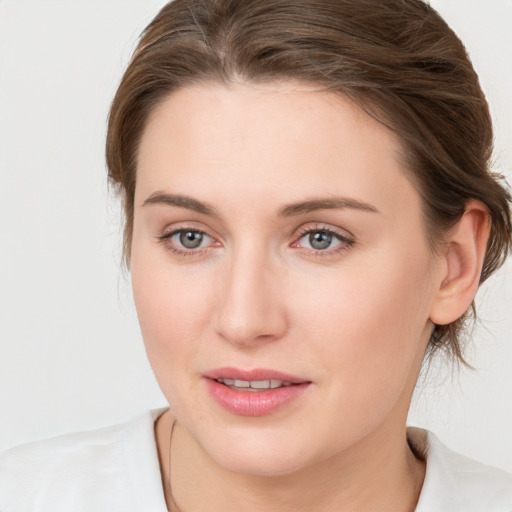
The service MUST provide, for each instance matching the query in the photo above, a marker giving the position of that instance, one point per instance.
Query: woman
(309, 214)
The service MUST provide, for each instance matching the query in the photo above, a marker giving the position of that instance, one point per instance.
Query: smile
(253, 385)
(257, 392)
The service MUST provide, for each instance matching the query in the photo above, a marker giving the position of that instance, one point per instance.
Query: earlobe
(462, 264)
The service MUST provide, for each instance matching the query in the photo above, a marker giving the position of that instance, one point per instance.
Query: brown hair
(397, 59)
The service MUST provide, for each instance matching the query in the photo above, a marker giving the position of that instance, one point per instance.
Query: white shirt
(116, 469)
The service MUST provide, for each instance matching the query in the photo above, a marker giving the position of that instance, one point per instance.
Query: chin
(266, 463)
(258, 451)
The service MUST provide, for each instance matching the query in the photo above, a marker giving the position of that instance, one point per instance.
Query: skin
(354, 319)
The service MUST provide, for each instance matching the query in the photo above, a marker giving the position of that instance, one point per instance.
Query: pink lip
(253, 403)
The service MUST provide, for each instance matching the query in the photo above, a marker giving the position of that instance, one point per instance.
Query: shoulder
(94, 470)
(455, 483)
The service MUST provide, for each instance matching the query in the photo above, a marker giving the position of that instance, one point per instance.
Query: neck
(378, 474)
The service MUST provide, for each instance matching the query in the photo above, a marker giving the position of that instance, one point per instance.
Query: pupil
(191, 239)
(320, 240)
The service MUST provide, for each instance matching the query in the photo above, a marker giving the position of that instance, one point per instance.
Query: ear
(462, 261)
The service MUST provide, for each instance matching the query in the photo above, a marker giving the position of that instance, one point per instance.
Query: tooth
(253, 385)
(260, 384)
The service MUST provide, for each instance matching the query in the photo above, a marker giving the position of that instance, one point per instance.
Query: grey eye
(190, 239)
(320, 240)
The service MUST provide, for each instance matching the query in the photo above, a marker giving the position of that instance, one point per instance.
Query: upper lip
(253, 375)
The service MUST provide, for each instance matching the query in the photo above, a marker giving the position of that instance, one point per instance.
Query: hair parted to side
(397, 59)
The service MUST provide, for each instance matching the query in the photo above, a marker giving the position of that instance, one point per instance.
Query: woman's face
(277, 240)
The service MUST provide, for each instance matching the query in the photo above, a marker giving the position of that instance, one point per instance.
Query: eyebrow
(290, 210)
(182, 202)
(331, 203)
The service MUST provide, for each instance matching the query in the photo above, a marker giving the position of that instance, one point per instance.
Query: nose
(250, 308)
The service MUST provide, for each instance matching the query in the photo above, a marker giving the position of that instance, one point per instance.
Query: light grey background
(71, 356)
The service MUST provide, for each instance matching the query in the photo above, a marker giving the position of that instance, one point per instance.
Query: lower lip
(254, 403)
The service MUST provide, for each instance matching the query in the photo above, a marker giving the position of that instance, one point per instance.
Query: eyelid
(346, 239)
(170, 231)
(170, 234)
(176, 227)
(320, 226)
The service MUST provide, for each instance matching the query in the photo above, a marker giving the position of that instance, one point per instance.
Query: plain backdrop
(71, 354)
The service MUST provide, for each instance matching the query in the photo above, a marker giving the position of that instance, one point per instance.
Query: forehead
(268, 140)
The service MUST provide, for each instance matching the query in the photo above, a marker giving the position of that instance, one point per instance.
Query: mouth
(256, 392)
(258, 379)
(254, 385)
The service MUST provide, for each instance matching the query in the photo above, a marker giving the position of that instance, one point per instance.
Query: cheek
(174, 307)
(369, 322)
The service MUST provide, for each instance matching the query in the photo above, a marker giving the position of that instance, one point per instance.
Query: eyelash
(345, 242)
(166, 238)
